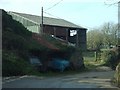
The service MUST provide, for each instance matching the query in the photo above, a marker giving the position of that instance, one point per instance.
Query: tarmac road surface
(93, 79)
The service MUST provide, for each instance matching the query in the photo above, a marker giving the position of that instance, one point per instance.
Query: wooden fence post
(95, 55)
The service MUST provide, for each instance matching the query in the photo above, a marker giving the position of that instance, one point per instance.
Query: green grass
(89, 56)
(89, 61)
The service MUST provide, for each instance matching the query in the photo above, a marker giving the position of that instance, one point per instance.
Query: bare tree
(109, 31)
(94, 39)
(106, 35)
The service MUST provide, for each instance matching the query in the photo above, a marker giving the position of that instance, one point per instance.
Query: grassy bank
(19, 45)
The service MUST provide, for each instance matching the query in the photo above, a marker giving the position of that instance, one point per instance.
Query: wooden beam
(67, 34)
(54, 31)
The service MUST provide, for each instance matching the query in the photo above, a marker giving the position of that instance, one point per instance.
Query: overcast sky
(86, 13)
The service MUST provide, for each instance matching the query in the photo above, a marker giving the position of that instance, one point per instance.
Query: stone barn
(59, 28)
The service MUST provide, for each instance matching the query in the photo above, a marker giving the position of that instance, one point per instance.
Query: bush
(13, 25)
(14, 41)
(110, 58)
(16, 45)
(14, 65)
(117, 76)
(77, 61)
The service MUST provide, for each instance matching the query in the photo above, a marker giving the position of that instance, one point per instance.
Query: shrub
(110, 58)
(13, 41)
(14, 65)
(77, 61)
(117, 76)
(15, 26)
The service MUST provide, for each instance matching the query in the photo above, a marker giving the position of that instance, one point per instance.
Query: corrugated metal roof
(49, 21)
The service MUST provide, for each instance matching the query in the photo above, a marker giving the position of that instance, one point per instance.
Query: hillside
(19, 45)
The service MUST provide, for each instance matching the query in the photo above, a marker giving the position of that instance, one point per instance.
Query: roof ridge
(35, 15)
(50, 20)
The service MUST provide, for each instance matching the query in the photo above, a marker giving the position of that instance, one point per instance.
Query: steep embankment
(19, 44)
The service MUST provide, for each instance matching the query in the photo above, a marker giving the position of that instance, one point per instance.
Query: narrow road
(93, 79)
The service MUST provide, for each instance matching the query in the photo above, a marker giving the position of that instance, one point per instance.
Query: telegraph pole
(118, 23)
(41, 20)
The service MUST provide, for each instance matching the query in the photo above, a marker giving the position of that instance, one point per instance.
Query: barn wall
(62, 33)
(82, 39)
(56, 31)
(35, 28)
(48, 29)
